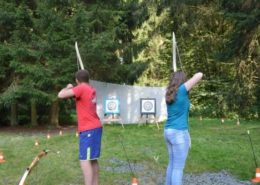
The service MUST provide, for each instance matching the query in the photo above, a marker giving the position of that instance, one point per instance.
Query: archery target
(148, 106)
(111, 106)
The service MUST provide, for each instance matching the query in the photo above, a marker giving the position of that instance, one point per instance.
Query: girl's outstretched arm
(193, 80)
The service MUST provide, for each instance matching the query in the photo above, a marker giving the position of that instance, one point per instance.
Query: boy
(89, 125)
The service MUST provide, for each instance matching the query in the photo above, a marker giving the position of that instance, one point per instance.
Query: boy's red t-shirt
(85, 96)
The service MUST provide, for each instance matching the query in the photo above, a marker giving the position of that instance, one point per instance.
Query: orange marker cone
(257, 176)
(134, 181)
(36, 143)
(2, 158)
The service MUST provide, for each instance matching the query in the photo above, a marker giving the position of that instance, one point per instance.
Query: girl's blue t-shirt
(178, 111)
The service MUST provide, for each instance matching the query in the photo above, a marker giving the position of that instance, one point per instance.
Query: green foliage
(131, 42)
(218, 38)
(38, 56)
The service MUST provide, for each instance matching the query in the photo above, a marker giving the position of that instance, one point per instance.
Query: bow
(174, 45)
(175, 52)
(79, 61)
(32, 165)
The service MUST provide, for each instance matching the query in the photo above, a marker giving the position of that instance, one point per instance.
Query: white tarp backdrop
(129, 97)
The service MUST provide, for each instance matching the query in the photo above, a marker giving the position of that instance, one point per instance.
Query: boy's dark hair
(82, 76)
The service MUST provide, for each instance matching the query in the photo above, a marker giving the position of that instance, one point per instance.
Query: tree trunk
(13, 121)
(54, 113)
(33, 113)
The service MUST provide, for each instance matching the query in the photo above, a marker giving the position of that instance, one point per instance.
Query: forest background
(127, 42)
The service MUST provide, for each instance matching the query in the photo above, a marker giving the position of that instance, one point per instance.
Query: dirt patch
(149, 176)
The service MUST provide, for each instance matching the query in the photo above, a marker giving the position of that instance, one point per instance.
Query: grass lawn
(216, 146)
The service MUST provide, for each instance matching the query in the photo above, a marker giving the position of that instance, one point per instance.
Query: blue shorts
(90, 144)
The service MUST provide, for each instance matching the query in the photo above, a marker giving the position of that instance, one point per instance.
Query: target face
(112, 106)
(148, 106)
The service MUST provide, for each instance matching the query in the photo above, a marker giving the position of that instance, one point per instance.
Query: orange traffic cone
(257, 176)
(2, 158)
(134, 181)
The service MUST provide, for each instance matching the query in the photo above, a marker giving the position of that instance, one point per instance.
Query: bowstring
(36, 173)
(179, 58)
(77, 62)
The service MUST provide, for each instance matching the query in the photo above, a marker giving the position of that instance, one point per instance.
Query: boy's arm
(193, 81)
(66, 92)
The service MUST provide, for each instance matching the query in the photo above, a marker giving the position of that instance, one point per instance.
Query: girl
(176, 131)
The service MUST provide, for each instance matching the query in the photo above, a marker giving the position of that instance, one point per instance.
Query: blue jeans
(178, 144)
